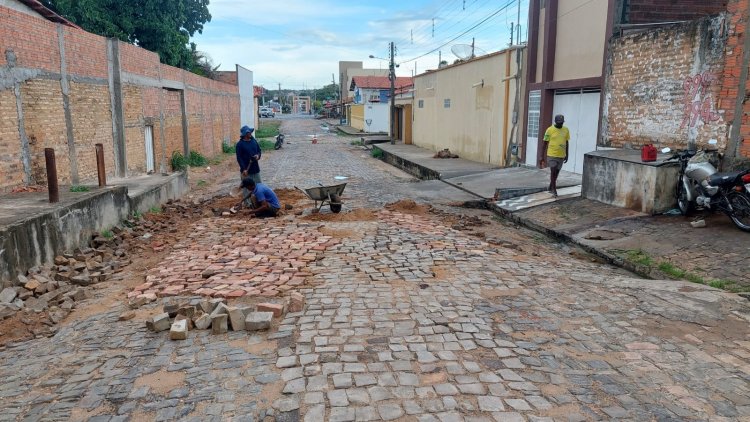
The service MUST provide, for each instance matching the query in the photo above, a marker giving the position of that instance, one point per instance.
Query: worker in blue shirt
(248, 153)
(264, 201)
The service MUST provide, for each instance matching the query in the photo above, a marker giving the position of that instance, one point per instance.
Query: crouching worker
(264, 201)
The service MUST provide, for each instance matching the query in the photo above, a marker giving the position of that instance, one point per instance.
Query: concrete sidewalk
(652, 246)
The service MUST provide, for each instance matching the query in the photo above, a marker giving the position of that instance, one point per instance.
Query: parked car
(266, 112)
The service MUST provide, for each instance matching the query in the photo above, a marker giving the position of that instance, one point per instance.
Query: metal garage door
(581, 110)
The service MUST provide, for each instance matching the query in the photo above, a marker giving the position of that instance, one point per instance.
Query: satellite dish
(466, 51)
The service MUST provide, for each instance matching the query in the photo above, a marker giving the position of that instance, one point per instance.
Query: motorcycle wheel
(740, 210)
(682, 200)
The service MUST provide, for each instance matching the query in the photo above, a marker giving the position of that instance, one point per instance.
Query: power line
(463, 33)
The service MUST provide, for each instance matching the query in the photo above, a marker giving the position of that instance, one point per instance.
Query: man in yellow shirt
(557, 138)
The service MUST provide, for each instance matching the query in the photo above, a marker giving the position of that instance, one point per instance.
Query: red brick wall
(730, 87)
(664, 86)
(34, 42)
(229, 77)
(649, 11)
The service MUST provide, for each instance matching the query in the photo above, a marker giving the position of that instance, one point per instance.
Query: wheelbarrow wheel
(335, 203)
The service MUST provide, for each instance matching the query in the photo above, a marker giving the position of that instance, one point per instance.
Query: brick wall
(11, 167)
(33, 46)
(44, 121)
(92, 124)
(730, 87)
(649, 11)
(664, 86)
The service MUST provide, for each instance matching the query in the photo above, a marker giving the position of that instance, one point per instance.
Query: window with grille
(447, 103)
(535, 105)
(421, 104)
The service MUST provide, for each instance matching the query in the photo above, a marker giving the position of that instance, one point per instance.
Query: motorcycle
(700, 186)
(279, 141)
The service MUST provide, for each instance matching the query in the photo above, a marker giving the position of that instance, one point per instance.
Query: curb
(564, 237)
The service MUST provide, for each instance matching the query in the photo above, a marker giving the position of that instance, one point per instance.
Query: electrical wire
(495, 13)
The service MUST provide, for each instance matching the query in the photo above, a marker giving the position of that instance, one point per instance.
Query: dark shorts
(555, 163)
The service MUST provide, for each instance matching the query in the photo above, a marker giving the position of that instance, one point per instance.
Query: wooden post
(49, 159)
(101, 172)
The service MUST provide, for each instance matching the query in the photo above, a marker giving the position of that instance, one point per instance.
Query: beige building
(468, 107)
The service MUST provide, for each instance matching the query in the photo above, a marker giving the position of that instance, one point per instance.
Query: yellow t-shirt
(556, 140)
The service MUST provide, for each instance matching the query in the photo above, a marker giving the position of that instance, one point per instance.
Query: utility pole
(511, 34)
(518, 20)
(392, 75)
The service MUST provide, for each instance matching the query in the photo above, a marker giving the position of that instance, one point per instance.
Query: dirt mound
(408, 206)
(355, 215)
(290, 196)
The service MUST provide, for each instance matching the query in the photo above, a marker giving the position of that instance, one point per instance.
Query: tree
(162, 26)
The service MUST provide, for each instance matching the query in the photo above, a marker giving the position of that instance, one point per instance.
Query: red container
(648, 153)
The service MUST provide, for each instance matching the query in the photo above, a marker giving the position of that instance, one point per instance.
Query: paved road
(406, 319)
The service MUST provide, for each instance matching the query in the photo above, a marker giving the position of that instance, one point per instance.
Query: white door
(532, 127)
(150, 162)
(581, 111)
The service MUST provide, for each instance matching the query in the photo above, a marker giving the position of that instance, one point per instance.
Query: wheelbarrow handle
(304, 191)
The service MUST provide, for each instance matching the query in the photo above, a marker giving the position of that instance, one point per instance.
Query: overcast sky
(299, 43)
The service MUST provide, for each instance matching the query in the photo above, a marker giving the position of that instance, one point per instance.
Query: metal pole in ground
(49, 159)
(101, 172)
(392, 77)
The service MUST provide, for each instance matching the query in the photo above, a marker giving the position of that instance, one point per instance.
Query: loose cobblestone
(404, 317)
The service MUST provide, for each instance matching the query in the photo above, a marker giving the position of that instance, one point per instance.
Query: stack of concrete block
(214, 314)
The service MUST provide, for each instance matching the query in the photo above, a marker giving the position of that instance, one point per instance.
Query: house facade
(469, 107)
(566, 71)
(370, 108)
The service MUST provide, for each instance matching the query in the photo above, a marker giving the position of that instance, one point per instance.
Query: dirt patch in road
(359, 214)
(495, 293)
(441, 273)
(161, 382)
(339, 233)
(408, 206)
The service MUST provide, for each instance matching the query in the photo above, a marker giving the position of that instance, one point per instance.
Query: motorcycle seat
(721, 179)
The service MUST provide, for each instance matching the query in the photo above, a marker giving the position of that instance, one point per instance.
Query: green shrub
(202, 183)
(356, 143)
(137, 215)
(377, 153)
(155, 210)
(178, 161)
(107, 234)
(197, 159)
(228, 148)
(79, 188)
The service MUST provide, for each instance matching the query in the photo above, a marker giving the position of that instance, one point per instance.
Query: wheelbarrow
(322, 195)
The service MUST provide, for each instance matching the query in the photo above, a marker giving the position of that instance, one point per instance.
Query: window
(535, 105)
(447, 103)
(421, 104)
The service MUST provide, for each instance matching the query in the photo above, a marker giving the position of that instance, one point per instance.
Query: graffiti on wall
(698, 100)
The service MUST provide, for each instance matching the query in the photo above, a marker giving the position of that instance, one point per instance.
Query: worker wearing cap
(248, 153)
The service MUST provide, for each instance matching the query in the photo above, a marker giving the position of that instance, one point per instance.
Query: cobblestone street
(406, 318)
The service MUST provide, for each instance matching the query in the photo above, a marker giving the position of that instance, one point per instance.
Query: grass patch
(357, 142)
(638, 256)
(377, 153)
(669, 269)
(155, 210)
(137, 215)
(228, 148)
(268, 129)
(108, 234)
(266, 144)
(202, 183)
(79, 188)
